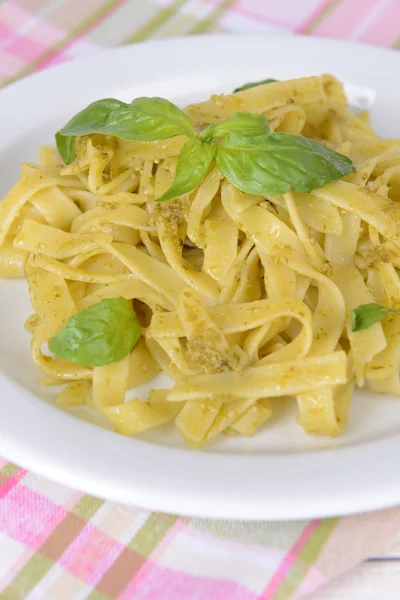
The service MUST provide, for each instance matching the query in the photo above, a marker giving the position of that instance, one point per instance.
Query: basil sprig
(252, 84)
(66, 147)
(273, 164)
(101, 334)
(366, 315)
(243, 122)
(144, 120)
(191, 168)
(251, 158)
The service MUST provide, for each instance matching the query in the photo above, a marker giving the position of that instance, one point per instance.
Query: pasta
(242, 299)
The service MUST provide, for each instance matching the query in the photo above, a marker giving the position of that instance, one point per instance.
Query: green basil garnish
(144, 120)
(149, 120)
(101, 334)
(247, 86)
(273, 164)
(366, 315)
(92, 118)
(243, 122)
(251, 158)
(191, 168)
(66, 146)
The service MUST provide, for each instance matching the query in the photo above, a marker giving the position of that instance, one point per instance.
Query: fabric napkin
(56, 543)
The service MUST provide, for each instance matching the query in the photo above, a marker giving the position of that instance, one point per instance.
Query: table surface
(373, 580)
(376, 579)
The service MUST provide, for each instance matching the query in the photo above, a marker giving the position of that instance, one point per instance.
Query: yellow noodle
(244, 300)
(281, 379)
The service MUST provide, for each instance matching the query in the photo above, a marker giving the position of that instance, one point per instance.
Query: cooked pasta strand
(244, 301)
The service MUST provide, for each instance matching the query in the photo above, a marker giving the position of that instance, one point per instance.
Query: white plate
(280, 473)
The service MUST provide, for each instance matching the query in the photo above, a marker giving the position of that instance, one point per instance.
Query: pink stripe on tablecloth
(384, 29)
(312, 581)
(251, 12)
(12, 482)
(167, 584)
(34, 29)
(7, 36)
(344, 19)
(29, 517)
(288, 561)
(5, 32)
(61, 58)
(91, 554)
(26, 49)
(145, 571)
(318, 9)
(59, 55)
(43, 30)
(9, 65)
(13, 14)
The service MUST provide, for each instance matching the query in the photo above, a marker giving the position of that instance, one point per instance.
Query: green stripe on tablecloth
(279, 534)
(7, 471)
(151, 534)
(133, 557)
(52, 548)
(28, 578)
(210, 22)
(162, 16)
(305, 559)
(312, 549)
(87, 507)
(320, 16)
(76, 31)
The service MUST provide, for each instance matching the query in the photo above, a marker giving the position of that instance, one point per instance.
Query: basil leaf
(87, 120)
(160, 119)
(192, 166)
(92, 118)
(273, 164)
(243, 122)
(66, 146)
(101, 334)
(145, 119)
(366, 315)
(247, 86)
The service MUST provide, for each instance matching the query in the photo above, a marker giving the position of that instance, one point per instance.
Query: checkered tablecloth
(57, 543)
(35, 34)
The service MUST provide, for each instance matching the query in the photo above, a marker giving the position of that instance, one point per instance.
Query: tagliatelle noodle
(245, 301)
